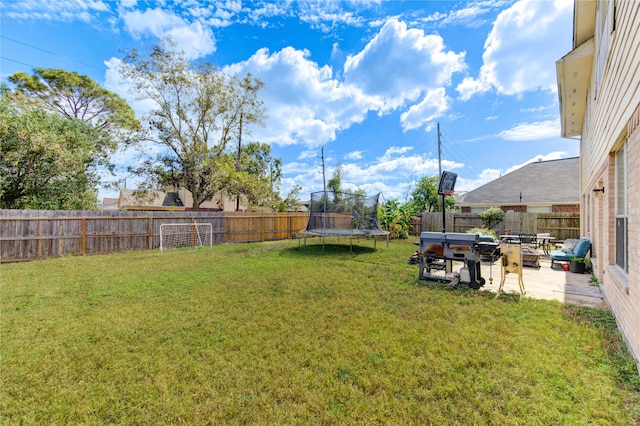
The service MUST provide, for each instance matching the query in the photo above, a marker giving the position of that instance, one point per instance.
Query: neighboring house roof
(554, 182)
(171, 199)
(150, 200)
(108, 204)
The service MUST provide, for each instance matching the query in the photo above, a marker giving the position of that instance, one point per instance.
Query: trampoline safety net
(341, 213)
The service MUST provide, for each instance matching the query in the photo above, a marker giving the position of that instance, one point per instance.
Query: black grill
(439, 249)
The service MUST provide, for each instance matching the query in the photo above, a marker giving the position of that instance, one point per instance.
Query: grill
(438, 250)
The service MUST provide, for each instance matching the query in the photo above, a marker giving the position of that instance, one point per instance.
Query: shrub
(491, 217)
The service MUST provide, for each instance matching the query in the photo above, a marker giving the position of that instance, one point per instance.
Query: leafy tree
(396, 218)
(259, 175)
(425, 197)
(335, 182)
(197, 111)
(46, 161)
(491, 217)
(290, 202)
(74, 95)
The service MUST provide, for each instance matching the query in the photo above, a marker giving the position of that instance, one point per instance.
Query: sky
(366, 83)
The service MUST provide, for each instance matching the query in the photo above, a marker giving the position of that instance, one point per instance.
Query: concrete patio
(546, 283)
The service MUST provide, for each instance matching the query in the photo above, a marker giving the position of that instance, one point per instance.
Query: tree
(257, 176)
(290, 202)
(197, 111)
(335, 182)
(46, 161)
(425, 197)
(74, 95)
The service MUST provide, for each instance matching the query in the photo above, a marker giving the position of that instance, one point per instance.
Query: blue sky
(368, 80)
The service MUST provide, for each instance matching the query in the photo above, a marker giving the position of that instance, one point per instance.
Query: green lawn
(268, 334)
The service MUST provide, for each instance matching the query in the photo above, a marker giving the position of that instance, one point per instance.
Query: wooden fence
(560, 225)
(39, 234)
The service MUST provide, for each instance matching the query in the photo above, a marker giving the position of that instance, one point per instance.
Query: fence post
(150, 233)
(83, 243)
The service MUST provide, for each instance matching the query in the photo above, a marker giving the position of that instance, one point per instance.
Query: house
(171, 199)
(108, 204)
(599, 91)
(538, 187)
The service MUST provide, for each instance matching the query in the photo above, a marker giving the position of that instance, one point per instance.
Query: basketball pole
(444, 227)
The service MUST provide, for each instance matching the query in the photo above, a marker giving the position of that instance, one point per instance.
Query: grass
(270, 334)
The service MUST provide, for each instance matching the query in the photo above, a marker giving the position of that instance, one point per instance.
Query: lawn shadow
(331, 248)
(465, 290)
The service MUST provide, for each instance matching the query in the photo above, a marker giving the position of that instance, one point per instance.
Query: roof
(573, 71)
(554, 181)
(149, 200)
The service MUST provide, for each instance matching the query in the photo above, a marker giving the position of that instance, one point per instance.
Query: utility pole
(439, 152)
(238, 161)
(324, 187)
(444, 214)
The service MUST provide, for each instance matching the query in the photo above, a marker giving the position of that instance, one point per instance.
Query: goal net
(175, 235)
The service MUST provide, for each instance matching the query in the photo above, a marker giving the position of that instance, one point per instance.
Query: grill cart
(438, 250)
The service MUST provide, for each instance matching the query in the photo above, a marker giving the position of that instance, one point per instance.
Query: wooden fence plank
(37, 234)
(560, 225)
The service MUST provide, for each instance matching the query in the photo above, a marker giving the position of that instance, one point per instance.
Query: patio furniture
(544, 242)
(522, 238)
(580, 249)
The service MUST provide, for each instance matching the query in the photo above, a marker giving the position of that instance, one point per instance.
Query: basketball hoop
(447, 183)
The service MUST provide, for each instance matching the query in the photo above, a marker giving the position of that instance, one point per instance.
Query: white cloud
(392, 173)
(469, 16)
(470, 86)
(65, 11)
(485, 176)
(354, 155)
(532, 131)
(305, 104)
(395, 150)
(194, 38)
(521, 50)
(433, 105)
(556, 155)
(400, 63)
(327, 15)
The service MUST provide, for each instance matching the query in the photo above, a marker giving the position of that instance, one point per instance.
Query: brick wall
(520, 208)
(622, 291)
(565, 208)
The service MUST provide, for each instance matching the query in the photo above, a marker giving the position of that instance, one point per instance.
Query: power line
(48, 52)
(17, 62)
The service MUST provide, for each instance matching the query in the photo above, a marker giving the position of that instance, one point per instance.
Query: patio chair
(581, 249)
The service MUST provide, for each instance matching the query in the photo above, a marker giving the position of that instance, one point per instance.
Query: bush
(491, 217)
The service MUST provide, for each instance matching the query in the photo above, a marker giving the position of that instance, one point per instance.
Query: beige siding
(618, 95)
(612, 113)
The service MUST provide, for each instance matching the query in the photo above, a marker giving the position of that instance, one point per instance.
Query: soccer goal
(174, 235)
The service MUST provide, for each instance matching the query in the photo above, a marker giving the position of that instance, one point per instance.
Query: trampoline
(342, 214)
